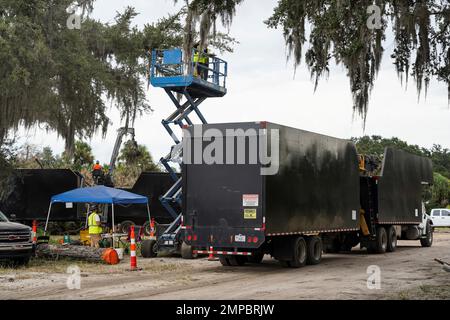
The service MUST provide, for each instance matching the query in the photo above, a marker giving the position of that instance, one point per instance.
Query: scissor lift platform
(170, 72)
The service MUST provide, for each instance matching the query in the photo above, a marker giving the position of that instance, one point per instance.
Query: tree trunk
(77, 252)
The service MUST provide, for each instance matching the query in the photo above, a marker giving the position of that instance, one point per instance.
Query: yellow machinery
(84, 237)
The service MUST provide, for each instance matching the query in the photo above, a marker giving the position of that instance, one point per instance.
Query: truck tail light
(189, 237)
(255, 239)
(249, 239)
(195, 237)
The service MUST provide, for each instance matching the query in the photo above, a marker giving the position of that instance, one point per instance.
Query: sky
(262, 87)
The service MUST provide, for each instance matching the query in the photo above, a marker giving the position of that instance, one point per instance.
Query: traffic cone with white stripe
(152, 228)
(133, 258)
(34, 232)
(211, 255)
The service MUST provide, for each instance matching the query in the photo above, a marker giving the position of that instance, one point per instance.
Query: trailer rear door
(228, 196)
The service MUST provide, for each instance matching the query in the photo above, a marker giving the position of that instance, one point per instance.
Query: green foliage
(57, 77)
(440, 192)
(83, 156)
(375, 145)
(338, 30)
(134, 156)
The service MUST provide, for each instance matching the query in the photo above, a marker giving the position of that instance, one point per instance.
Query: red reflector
(249, 239)
(195, 237)
(255, 239)
(189, 237)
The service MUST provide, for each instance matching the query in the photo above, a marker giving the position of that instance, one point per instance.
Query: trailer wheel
(314, 250)
(428, 240)
(299, 253)
(186, 251)
(224, 261)
(125, 226)
(380, 243)
(391, 239)
(146, 228)
(237, 260)
(149, 249)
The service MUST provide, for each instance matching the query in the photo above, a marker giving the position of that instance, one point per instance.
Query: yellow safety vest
(202, 58)
(93, 227)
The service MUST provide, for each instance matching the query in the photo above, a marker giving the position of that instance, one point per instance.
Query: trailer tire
(224, 261)
(299, 253)
(391, 239)
(428, 240)
(22, 261)
(381, 241)
(125, 226)
(314, 250)
(186, 251)
(149, 249)
(237, 260)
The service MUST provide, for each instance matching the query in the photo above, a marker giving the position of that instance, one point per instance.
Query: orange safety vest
(97, 167)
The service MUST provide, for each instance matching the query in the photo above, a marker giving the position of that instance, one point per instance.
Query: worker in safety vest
(201, 62)
(97, 172)
(95, 228)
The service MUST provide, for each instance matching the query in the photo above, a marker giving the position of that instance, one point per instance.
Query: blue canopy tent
(99, 195)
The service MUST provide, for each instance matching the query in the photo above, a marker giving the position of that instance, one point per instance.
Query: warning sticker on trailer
(249, 213)
(250, 200)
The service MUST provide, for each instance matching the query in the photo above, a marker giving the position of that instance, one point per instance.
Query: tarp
(99, 194)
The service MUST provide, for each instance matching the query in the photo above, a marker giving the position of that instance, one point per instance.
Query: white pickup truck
(440, 217)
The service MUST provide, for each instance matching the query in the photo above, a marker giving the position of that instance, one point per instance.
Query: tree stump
(107, 255)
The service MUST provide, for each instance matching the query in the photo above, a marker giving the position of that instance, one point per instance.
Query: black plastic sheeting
(401, 185)
(152, 185)
(317, 186)
(34, 188)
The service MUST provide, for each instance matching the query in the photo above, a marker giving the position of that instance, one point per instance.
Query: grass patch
(425, 292)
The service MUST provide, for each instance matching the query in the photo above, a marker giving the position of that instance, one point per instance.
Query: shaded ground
(408, 273)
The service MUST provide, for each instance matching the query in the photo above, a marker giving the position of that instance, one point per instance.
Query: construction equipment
(170, 72)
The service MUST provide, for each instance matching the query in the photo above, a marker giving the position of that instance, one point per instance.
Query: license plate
(239, 238)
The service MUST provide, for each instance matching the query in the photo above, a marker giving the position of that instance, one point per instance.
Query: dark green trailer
(258, 188)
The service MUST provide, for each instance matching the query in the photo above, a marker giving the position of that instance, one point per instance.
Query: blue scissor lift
(170, 72)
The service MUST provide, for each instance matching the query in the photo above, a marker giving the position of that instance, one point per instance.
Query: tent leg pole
(48, 217)
(87, 216)
(113, 228)
(148, 211)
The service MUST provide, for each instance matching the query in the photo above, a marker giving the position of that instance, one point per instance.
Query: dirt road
(408, 273)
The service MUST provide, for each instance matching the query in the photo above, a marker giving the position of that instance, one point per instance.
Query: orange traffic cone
(211, 255)
(34, 232)
(133, 259)
(152, 228)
